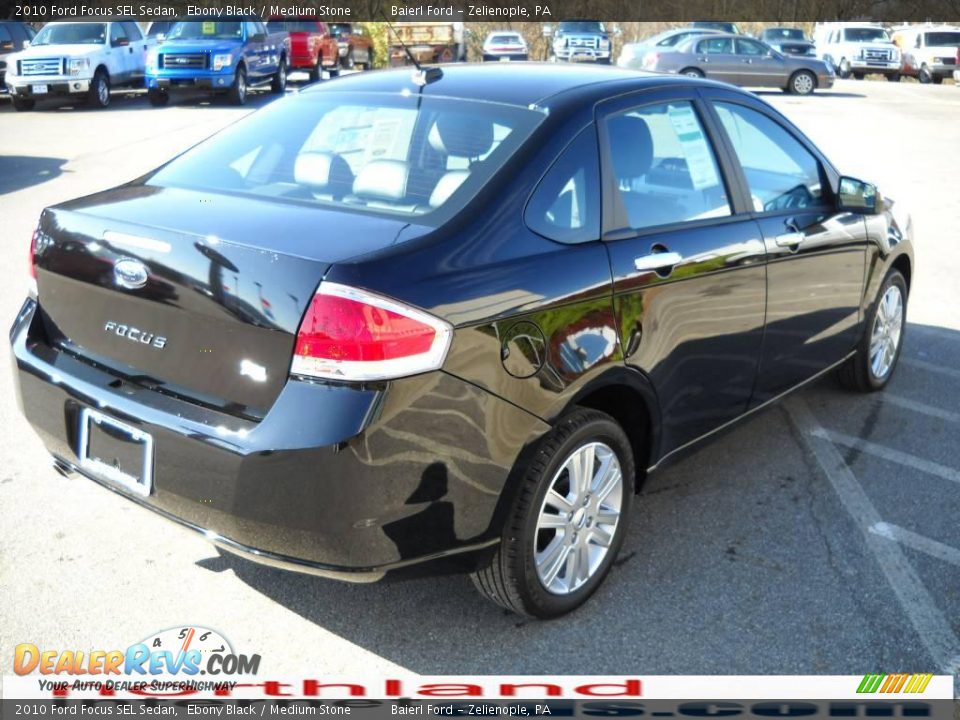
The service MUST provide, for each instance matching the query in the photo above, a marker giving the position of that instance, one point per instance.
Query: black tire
(802, 82)
(859, 75)
(278, 85)
(843, 69)
(692, 72)
(924, 75)
(938, 80)
(347, 61)
(237, 94)
(316, 72)
(99, 94)
(893, 77)
(158, 98)
(368, 64)
(856, 373)
(23, 104)
(511, 579)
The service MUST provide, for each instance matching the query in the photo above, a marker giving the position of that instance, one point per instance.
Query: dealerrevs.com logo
(183, 652)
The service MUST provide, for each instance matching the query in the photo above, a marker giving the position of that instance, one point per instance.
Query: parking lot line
(931, 367)
(888, 398)
(917, 542)
(885, 453)
(935, 632)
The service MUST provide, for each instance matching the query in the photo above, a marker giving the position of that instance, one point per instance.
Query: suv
(355, 47)
(13, 35)
(312, 46)
(929, 53)
(857, 50)
(579, 40)
(77, 59)
(219, 57)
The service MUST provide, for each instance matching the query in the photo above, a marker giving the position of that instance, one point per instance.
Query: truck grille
(582, 42)
(877, 54)
(186, 61)
(40, 66)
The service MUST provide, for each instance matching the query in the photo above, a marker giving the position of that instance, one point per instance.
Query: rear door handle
(657, 262)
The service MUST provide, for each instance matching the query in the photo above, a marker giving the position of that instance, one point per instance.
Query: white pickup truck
(77, 59)
(857, 49)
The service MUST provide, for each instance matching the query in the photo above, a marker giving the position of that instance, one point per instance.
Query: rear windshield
(505, 39)
(72, 34)
(783, 34)
(943, 39)
(366, 152)
(203, 30)
(866, 34)
(308, 26)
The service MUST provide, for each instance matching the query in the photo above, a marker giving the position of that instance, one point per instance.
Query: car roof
(541, 84)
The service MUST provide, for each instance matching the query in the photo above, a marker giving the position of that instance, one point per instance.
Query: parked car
(789, 41)
(386, 328)
(312, 46)
(505, 45)
(727, 27)
(581, 40)
(81, 60)
(13, 35)
(158, 30)
(632, 54)
(858, 49)
(929, 53)
(356, 47)
(219, 57)
(740, 60)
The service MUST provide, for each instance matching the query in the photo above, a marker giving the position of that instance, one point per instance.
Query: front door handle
(790, 240)
(657, 262)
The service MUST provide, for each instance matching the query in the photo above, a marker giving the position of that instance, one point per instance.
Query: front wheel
(924, 75)
(157, 97)
(803, 83)
(23, 104)
(278, 85)
(692, 72)
(238, 91)
(843, 69)
(893, 77)
(99, 96)
(568, 520)
(876, 357)
(859, 76)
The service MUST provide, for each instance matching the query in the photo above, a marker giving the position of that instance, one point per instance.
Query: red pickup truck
(312, 45)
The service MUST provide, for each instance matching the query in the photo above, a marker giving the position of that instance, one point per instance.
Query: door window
(133, 31)
(781, 173)
(664, 167)
(749, 47)
(715, 46)
(117, 34)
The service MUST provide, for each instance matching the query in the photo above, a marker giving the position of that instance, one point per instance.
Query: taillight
(650, 59)
(350, 334)
(33, 254)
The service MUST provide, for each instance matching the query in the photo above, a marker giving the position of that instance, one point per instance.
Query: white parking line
(887, 398)
(917, 542)
(885, 453)
(932, 627)
(931, 367)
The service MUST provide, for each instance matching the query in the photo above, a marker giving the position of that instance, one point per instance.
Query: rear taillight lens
(350, 334)
(33, 260)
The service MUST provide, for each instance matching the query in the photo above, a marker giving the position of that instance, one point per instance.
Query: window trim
(611, 229)
(711, 97)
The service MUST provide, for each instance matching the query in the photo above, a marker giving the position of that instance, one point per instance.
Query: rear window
(505, 39)
(308, 26)
(365, 152)
(193, 30)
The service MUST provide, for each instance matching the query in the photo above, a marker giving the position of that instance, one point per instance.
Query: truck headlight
(76, 65)
(604, 44)
(151, 62)
(221, 61)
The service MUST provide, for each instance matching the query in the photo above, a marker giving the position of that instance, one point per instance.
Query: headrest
(322, 171)
(447, 186)
(461, 135)
(382, 180)
(631, 136)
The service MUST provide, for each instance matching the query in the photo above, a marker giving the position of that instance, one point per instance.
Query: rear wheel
(567, 522)
(238, 91)
(157, 97)
(802, 82)
(279, 83)
(876, 358)
(23, 104)
(924, 75)
(348, 61)
(893, 77)
(692, 72)
(316, 72)
(99, 94)
(937, 80)
(843, 69)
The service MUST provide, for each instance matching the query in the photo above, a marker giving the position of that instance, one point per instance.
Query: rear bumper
(337, 481)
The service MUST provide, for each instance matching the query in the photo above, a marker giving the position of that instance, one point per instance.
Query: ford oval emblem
(130, 273)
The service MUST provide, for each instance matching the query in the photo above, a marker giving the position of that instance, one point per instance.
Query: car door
(717, 60)
(688, 261)
(138, 51)
(759, 67)
(119, 55)
(816, 255)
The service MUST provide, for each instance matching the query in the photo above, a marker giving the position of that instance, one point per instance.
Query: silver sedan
(742, 61)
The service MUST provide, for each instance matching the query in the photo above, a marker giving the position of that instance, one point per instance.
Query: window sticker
(703, 173)
(209, 28)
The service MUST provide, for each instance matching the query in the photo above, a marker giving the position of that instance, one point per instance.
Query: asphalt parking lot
(818, 537)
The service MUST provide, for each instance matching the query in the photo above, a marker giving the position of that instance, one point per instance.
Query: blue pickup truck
(218, 57)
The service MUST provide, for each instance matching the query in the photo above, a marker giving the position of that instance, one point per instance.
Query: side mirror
(161, 37)
(858, 196)
(26, 44)
(7, 45)
(120, 42)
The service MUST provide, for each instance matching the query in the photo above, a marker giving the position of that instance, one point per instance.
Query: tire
(843, 69)
(99, 94)
(23, 104)
(893, 77)
(278, 86)
(937, 80)
(859, 75)
(368, 63)
(237, 94)
(924, 75)
(692, 72)
(861, 373)
(513, 579)
(348, 61)
(802, 82)
(158, 98)
(316, 72)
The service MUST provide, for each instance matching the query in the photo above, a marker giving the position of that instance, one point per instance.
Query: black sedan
(449, 321)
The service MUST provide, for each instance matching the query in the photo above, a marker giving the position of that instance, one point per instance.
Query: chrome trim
(108, 473)
(657, 261)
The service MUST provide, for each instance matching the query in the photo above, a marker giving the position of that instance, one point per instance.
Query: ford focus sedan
(408, 324)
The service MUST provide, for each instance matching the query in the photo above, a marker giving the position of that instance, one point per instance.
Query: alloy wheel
(103, 91)
(578, 518)
(887, 332)
(803, 84)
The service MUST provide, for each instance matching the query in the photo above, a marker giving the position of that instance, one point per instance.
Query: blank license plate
(115, 451)
(39, 89)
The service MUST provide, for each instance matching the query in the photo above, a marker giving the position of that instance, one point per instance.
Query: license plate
(504, 58)
(40, 89)
(115, 451)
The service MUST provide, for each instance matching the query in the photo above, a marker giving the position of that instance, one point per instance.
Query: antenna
(423, 76)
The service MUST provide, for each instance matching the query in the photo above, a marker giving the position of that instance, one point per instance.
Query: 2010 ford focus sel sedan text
(448, 322)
